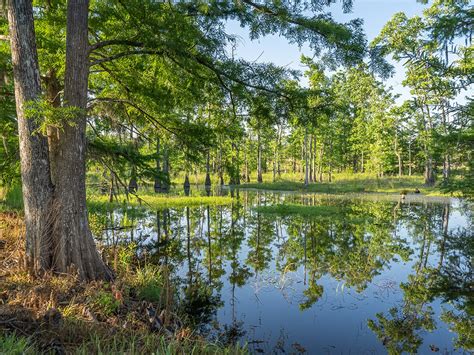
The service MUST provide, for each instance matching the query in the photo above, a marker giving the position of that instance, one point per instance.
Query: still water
(293, 273)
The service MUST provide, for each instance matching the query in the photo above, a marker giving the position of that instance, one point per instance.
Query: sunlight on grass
(156, 202)
(347, 183)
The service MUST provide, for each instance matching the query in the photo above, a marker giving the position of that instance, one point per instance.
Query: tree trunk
(330, 163)
(306, 163)
(400, 166)
(446, 167)
(409, 159)
(429, 173)
(72, 241)
(398, 153)
(133, 185)
(53, 90)
(221, 167)
(321, 166)
(207, 183)
(279, 153)
(158, 168)
(166, 168)
(186, 184)
(314, 153)
(247, 173)
(310, 158)
(275, 161)
(237, 170)
(34, 160)
(259, 160)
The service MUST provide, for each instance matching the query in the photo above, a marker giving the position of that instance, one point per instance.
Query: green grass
(153, 344)
(159, 201)
(12, 344)
(105, 303)
(122, 343)
(11, 199)
(351, 183)
(149, 283)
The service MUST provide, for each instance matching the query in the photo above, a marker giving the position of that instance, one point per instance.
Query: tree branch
(114, 42)
(124, 54)
(142, 111)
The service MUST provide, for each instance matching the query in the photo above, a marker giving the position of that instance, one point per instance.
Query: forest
(160, 192)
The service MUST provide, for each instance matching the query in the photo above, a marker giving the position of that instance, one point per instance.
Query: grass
(148, 283)
(11, 199)
(11, 344)
(122, 343)
(350, 183)
(159, 201)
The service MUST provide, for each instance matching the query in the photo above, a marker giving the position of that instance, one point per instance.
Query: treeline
(345, 121)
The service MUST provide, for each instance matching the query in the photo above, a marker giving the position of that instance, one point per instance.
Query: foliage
(105, 303)
(15, 345)
(149, 283)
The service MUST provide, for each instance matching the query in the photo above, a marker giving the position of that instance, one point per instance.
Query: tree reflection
(211, 250)
(448, 278)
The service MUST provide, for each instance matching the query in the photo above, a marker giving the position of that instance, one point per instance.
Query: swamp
(296, 272)
(236, 177)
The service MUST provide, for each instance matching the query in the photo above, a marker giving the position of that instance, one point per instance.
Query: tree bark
(157, 185)
(409, 159)
(306, 163)
(314, 155)
(166, 168)
(73, 243)
(428, 127)
(429, 173)
(330, 163)
(53, 90)
(207, 183)
(259, 159)
(310, 158)
(34, 160)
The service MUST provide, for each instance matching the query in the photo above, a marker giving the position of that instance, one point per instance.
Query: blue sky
(375, 14)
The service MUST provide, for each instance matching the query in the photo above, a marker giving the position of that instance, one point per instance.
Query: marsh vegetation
(162, 191)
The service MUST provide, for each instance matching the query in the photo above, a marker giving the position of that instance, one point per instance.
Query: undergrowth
(59, 314)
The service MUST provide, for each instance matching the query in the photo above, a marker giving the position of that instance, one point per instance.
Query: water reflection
(339, 275)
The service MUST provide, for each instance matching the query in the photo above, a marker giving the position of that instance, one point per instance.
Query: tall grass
(122, 343)
(158, 201)
(11, 199)
(12, 344)
(346, 183)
